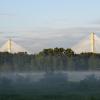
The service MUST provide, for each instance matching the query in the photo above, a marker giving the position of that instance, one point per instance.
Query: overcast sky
(38, 24)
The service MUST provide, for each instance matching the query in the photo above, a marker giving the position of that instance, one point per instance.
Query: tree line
(52, 59)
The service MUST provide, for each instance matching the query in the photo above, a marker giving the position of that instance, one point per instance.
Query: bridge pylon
(92, 42)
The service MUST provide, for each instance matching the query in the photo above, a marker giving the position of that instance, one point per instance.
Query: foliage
(49, 60)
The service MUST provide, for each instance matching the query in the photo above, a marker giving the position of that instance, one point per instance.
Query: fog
(36, 76)
(49, 83)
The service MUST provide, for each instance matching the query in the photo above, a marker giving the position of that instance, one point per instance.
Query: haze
(38, 24)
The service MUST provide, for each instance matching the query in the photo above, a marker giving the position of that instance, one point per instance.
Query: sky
(39, 24)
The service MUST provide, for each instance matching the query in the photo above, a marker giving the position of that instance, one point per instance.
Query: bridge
(12, 47)
(89, 44)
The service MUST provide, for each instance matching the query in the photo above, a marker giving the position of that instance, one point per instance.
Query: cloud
(7, 15)
(64, 38)
(95, 22)
(36, 40)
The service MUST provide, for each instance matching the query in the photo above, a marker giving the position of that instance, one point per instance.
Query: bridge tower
(9, 45)
(92, 41)
(12, 47)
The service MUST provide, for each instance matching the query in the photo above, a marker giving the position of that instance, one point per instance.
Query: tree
(69, 52)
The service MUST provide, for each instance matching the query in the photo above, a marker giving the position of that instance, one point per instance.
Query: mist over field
(36, 76)
(59, 78)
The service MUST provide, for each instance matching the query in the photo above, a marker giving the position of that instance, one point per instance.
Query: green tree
(69, 52)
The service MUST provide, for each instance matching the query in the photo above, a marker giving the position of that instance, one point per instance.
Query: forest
(52, 59)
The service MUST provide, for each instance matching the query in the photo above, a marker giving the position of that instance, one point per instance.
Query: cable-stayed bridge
(12, 47)
(89, 44)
